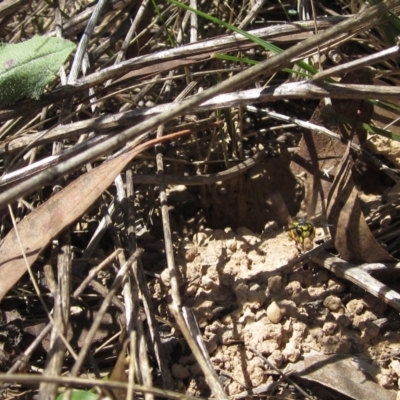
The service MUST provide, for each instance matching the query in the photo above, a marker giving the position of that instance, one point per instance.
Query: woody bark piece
(359, 277)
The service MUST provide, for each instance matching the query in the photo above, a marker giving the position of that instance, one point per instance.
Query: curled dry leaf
(318, 155)
(350, 233)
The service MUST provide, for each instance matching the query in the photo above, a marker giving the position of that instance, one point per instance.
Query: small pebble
(333, 303)
(274, 313)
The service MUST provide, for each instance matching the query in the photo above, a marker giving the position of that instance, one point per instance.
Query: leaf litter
(249, 290)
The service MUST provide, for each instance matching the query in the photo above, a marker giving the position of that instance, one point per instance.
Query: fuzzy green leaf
(27, 67)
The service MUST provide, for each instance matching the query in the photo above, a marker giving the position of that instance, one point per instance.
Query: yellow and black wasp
(302, 232)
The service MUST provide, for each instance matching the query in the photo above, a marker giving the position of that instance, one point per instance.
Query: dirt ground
(246, 299)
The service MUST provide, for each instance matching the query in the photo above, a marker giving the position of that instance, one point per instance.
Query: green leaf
(27, 67)
(80, 395)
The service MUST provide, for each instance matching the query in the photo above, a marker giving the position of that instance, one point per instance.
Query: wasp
(302, 232)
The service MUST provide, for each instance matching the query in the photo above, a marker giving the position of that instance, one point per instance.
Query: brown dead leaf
(47, 221)
(350, 376)
(350, 233)
(319, 156)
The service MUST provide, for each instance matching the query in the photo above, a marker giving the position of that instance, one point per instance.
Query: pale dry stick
(77, 22)
(132, 368)
(127, 290)
(107, 342)
(314, 15)
(9, 125)
(55, 355)
(36, 286)
(8, 7)
(292, 90)
(181, 29)
(92, 94)
(211, 377)
(132, 318)
(259, 390)
(121, 54)
(227, 174)
(59, 34)
(193, 327)
(210, 374)
(138, 17)
(234, 41)
(49, 275)
(119, 185)
(134, 363)
(83, 43)
(144, 369)
(391, 123)
(17, 29)
(113, 25)
(380, 267)
(230, 99)
(168, 82)
(151, 321)
(134, 372)
(281, 373)
(103, 291)
(103, 308)
(93, 272)
(251, 14)
(12, 177)
(368, 17)
(225, 43)
(37, 138)
(78, 61)
(341, 69)
(331, 134)
(358, 276)
(26, 354)
(303, 8)
(31, 379)
(130, 220)
(24, 357)
(95, 239)
(194, 23)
